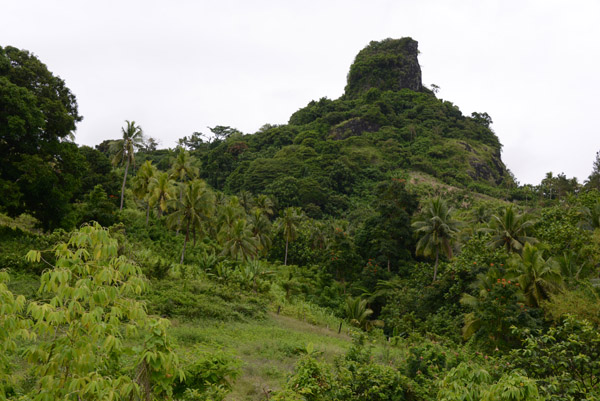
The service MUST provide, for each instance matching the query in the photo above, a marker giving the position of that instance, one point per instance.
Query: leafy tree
(37, 109)
(593, 181)
(436, 228)
(288, 224)
(565, 360)
(41, 170)
(83, 346)
(386, 236)
(537, 276)
(496, 306)
(98, 207)
(193, 210)
(509, 230)
(473, 382)
(125, 149)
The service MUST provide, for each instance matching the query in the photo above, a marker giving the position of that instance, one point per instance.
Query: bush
(193, 299)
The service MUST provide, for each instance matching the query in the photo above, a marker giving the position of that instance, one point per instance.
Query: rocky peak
(387, 65)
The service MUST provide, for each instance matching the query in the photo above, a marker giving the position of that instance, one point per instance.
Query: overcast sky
(176, 66)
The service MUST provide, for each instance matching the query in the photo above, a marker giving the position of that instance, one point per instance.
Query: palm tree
(182, 170)
(193, 210)
(161, 191)
(261, 229)
(228, 214)
(288, 223)
(538, 277)
(246, 200)
(509, 230)
(436, 229)
(590, 217)
(264, 203)
(133, 138)
(141, 184)
(238, 242)
(358, 313)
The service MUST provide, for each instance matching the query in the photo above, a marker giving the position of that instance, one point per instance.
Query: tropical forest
(374, 247)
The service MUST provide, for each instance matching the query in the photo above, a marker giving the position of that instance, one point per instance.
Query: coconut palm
(264, 203)
(182, 168)
(509, 230)
(590, 217)
(228, 214)
(538, 277)
(238, 242)
(288, 223)
(161, 191)
(133, 139)
(193, 210)
(141, 184)
(261, 229)
(436, 230)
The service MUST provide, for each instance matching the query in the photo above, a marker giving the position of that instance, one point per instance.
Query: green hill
(332, 152)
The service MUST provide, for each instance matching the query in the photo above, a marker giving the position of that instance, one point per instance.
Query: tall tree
(261, 229)
(288, 223)
(125, 148)
(182, 170)
(509, 230)
(239, 242)
(141, 184)
(593, 180)
(193, 210)
(40, 170)
(436, 229)
(537, 276)
(161, 191)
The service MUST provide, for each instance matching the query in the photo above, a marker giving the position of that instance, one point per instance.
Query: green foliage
(473, 382)
(436, 229)
(358, 313)
(356, 377)
(193, 299)
(537, 276)
(208, 376)
(509, 230)
(496, 306)
(80, 338)
(565, 360)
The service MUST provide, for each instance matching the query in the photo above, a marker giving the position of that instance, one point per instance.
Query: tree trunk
(179, 218)
(187, 236)
(437, 257)
(286, 249)
(123, 187)
(389, 269)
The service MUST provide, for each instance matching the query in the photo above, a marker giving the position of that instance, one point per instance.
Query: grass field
(267, 349)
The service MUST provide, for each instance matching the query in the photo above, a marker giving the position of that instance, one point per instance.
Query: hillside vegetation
(374, 248)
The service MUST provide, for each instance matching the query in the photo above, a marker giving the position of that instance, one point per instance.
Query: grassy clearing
(268, 348)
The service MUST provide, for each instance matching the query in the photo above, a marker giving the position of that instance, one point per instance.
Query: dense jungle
(375, 247)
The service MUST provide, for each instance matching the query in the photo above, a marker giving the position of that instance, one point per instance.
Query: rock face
(387, 65)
